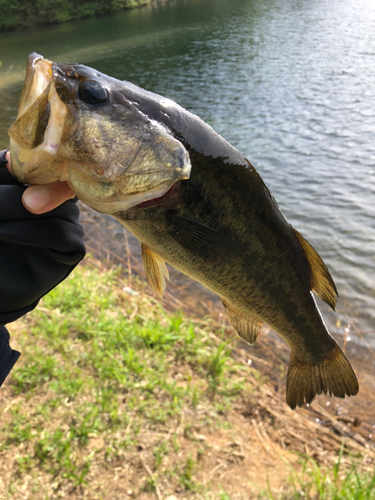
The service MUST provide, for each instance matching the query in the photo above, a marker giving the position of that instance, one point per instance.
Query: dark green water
(291, 83)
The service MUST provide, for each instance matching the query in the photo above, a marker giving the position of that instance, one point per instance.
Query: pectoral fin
(155, 269)
(199, 239)
(247, 327)
(321, 280)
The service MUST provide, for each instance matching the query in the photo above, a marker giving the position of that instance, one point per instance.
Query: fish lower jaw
(37, 166)
(117, 203)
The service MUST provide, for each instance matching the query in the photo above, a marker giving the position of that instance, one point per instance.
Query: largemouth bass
(192, 200)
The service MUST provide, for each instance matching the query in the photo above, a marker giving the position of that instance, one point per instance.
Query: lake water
(290, 83)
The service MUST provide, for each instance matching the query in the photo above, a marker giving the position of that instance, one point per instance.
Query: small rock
(199, 437)
(129, 290)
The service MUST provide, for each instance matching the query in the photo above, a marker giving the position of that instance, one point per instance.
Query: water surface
(289, 83)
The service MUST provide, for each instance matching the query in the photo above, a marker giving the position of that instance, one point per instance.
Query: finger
(40, 199)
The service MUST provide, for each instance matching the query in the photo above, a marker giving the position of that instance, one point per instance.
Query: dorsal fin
(247, 327)
(321, 280)
(155, 269)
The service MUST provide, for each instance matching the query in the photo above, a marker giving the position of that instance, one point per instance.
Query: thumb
(40, 199)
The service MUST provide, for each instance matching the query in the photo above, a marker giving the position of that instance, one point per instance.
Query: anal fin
(155, 269)
(321, 280)
(247, 327)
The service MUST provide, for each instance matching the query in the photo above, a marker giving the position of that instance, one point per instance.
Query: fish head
(78, 125)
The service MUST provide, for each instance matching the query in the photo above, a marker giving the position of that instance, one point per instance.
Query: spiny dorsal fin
(321, 280)
(247, 327)
(155, 269)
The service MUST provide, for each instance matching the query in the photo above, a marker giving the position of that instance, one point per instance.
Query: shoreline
(29, 15)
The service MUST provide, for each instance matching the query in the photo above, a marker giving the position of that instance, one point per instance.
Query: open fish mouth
(35, 137)
(75, 124)
(38, 78)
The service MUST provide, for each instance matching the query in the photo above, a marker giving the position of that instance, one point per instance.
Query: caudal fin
(334, 375)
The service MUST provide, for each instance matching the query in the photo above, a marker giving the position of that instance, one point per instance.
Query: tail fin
(333, 375)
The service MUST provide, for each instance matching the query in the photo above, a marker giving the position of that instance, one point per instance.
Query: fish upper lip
(33, 58)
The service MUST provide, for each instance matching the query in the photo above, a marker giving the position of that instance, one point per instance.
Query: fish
(193, 201)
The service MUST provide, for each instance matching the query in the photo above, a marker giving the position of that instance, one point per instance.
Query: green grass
(314, 482)
(96, 359)
(336, 483)
(108, 380)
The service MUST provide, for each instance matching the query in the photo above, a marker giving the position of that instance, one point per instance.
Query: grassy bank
(115, 398)
(16, 14)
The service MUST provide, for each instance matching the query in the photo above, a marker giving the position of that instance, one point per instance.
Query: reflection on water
(290, 84)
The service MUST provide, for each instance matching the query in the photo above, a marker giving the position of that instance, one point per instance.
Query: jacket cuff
(8, 356)
(3, 161)
(6, 177)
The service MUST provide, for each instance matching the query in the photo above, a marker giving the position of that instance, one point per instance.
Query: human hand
(39, 199)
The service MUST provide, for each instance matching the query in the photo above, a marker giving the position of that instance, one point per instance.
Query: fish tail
(334, 375)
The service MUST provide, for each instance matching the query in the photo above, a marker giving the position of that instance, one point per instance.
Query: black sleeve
(36, 251)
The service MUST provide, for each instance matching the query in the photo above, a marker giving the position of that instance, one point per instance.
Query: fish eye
(92, 92)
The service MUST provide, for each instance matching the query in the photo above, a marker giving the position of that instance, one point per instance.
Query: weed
(151, 484)
(336, 483)
(216, 365)
(25, 464)
(40, 370)
(224, 496)
(186, 476)
(159, 453)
